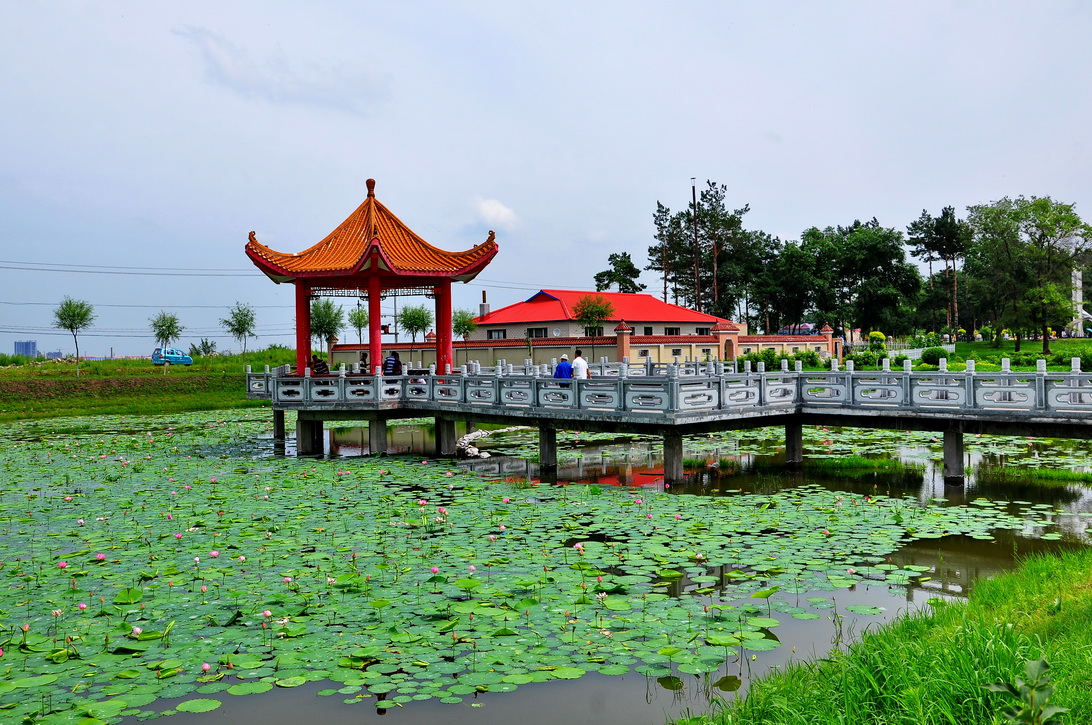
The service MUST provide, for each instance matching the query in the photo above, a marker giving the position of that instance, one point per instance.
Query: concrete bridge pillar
(794, 445)
(673, 455)
(547, 449)
(308, 437)
(278, 426)
(953, 457)
(377, 437)
(445, 437)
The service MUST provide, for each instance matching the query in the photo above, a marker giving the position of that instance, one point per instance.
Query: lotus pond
(171, 565)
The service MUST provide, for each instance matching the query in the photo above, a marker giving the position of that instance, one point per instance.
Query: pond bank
(930, 667)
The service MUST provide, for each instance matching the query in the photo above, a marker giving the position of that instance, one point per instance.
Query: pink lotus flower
(288, 580)
(213, 479)
(678, 516)
(241, 558)
(473, 568)
(206, 667)
(170, 517)
(196, 560)
(422, 502)
(492, 537)
(638, 502)
(578, 546)
(214, 553)
(178, 536)
(100, 556)
(204, 588)
(267, 614)
(67, 498)
(435, 570)
(62, 564)
(136, 631)
(506, 499)
(81, 606)
(502, 527)
(79, 521)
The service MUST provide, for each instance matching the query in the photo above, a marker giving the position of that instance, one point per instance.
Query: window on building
(536, 332)
(702, 331)
(676, 352)
(818, 348)
(642, 353)
(496, 334)
(672, 330)
(771, 347)
(746, 351)
(648, 330)
(795, 349)
(706, 352)
(593, 331)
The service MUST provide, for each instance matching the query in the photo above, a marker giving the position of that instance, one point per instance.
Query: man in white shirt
(580, 367)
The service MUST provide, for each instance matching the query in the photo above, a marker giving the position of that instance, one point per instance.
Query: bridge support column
(377, 437)
(278, 426)
(445, 437)
(673, 450)
(308, 437)
(953, 457)
(547, 449)
(794, 445)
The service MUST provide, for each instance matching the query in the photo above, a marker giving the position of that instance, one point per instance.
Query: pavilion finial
(371, 188)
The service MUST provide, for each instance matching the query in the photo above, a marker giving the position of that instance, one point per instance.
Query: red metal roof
(371, 240)
(553, 305)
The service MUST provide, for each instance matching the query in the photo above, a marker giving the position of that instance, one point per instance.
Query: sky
(140, 142)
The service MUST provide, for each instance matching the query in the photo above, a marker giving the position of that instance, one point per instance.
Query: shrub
(898, 361)
(863, 359)
(932, 355)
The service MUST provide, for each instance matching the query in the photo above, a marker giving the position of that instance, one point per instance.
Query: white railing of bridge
(690, 388)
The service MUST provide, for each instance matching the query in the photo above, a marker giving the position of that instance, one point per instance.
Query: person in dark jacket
(319, 366)
(564, 370)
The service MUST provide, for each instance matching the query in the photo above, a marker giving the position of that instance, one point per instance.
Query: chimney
(483, 308)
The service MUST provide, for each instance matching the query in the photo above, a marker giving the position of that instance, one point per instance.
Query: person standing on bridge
(580, 367)
(392, 365)
(564, 370)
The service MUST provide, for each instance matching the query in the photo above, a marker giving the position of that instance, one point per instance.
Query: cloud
(280, 79)
(496, 214)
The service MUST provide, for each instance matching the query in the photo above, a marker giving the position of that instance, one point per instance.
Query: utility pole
(694, 218)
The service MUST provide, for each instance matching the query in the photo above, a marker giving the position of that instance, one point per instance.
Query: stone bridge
(679, 399)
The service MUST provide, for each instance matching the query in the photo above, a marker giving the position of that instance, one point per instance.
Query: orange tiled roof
(371, 238)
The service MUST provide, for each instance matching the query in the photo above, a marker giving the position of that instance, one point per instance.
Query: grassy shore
(931, 667)
(50, 389)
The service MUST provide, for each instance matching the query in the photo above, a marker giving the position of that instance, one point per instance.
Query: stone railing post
(761, 382)
(851, 392)
(969, 381)
(1040, 384)
(907, 382)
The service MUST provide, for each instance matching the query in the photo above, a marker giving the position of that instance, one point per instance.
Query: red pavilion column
(375, 334)
(303, 326)
(444, 353)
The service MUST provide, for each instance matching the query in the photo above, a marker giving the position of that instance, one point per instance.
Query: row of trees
(1009, 263)
(75, 316)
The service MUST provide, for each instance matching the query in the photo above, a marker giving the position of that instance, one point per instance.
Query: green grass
(48, 389)
(1043, 477)
(852, 463)
(930, 667)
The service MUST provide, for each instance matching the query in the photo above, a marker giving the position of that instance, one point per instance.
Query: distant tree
(414, 319)
(203, 349)
(165, 328)
(327, 320)
(358, 320)
(74, 316)
(944, 238)
(239, 324)
(462, 324)
(591, 311)
(1029, 247)
(623, 272)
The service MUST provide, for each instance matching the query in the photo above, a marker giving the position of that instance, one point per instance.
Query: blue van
(171, 355)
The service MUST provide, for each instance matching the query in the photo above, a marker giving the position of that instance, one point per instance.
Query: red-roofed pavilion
(372, 254)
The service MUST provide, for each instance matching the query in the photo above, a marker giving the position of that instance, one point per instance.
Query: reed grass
(843, 464)
(929, 667)
(1045, 477)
